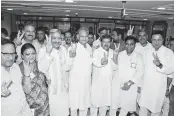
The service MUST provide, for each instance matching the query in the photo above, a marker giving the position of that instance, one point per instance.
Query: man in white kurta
(103, 67)
(27, 37)
(130, 70)
(158, 64)
(14, 104)
(97, 43)
(119, 45)
(80, 76)
(51, 62)
(39, 42)
(141, 47)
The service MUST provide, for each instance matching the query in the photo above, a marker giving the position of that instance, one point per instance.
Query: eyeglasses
(8, 54)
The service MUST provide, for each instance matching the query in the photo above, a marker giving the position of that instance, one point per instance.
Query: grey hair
(83, 28)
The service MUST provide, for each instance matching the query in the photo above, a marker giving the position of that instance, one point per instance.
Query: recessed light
(67, 15)
(144, 19)
(25, 13)
(170, 18)
(69, 1)
(9, 9)
(109, 17)
(67, 10)
(161, 8)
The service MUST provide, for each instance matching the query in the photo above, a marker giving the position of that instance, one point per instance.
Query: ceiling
(139, 10)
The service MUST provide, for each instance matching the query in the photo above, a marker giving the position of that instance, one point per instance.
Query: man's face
(68, 37)
(29, 33)
(91, 39)
(157, 41)
(83, 37)
(106, 44)
(171, 45)
(130, 46)
(56, 40)
(103, 32)
(8, 54)
(40, 35)
(142, 37)
(115, 36)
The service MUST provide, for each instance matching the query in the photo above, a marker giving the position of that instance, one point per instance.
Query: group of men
(108, 74)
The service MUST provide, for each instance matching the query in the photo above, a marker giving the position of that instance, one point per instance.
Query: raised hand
(156, 60)
(27, 69)
(72, 54)
(116, 51)
(130, 31)
(104, 60)
(48, 44)
(19, 37)
(73, 47)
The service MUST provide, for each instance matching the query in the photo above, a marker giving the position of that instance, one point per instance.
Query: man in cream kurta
(27, 37)
(51, 62)
(97, 43)
(103, 67)
(130, 70)
(80, 75)
(158, 64)
(14, 104)
(119, 45)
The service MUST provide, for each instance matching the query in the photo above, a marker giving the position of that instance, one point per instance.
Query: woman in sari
(34, 82)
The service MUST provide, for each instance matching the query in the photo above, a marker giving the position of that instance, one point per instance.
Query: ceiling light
(69, 1)
(109, 17)
(67, 15)
(161, 8)
(25, 13)
(67, 10)
(170, 18)
(9, 9)
(144, 19)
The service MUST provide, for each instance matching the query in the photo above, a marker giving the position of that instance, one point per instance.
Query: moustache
(30, 35)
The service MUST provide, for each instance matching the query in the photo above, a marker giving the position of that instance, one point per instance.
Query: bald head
(83, 35)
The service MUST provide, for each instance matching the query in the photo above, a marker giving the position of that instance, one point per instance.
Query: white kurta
(51, 65)
(65, 53)
(141, 50)
(37, 45)
(155, 79)
(80, 78)
(15, 104)
(115, 99)
(102, 78)
(129, 68)
(96, 43)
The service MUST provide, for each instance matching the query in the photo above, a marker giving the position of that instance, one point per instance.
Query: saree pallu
(38, 97)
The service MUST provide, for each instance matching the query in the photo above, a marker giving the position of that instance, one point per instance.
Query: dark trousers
(171, 98)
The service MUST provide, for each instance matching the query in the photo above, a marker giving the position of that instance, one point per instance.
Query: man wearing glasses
(13, 101)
